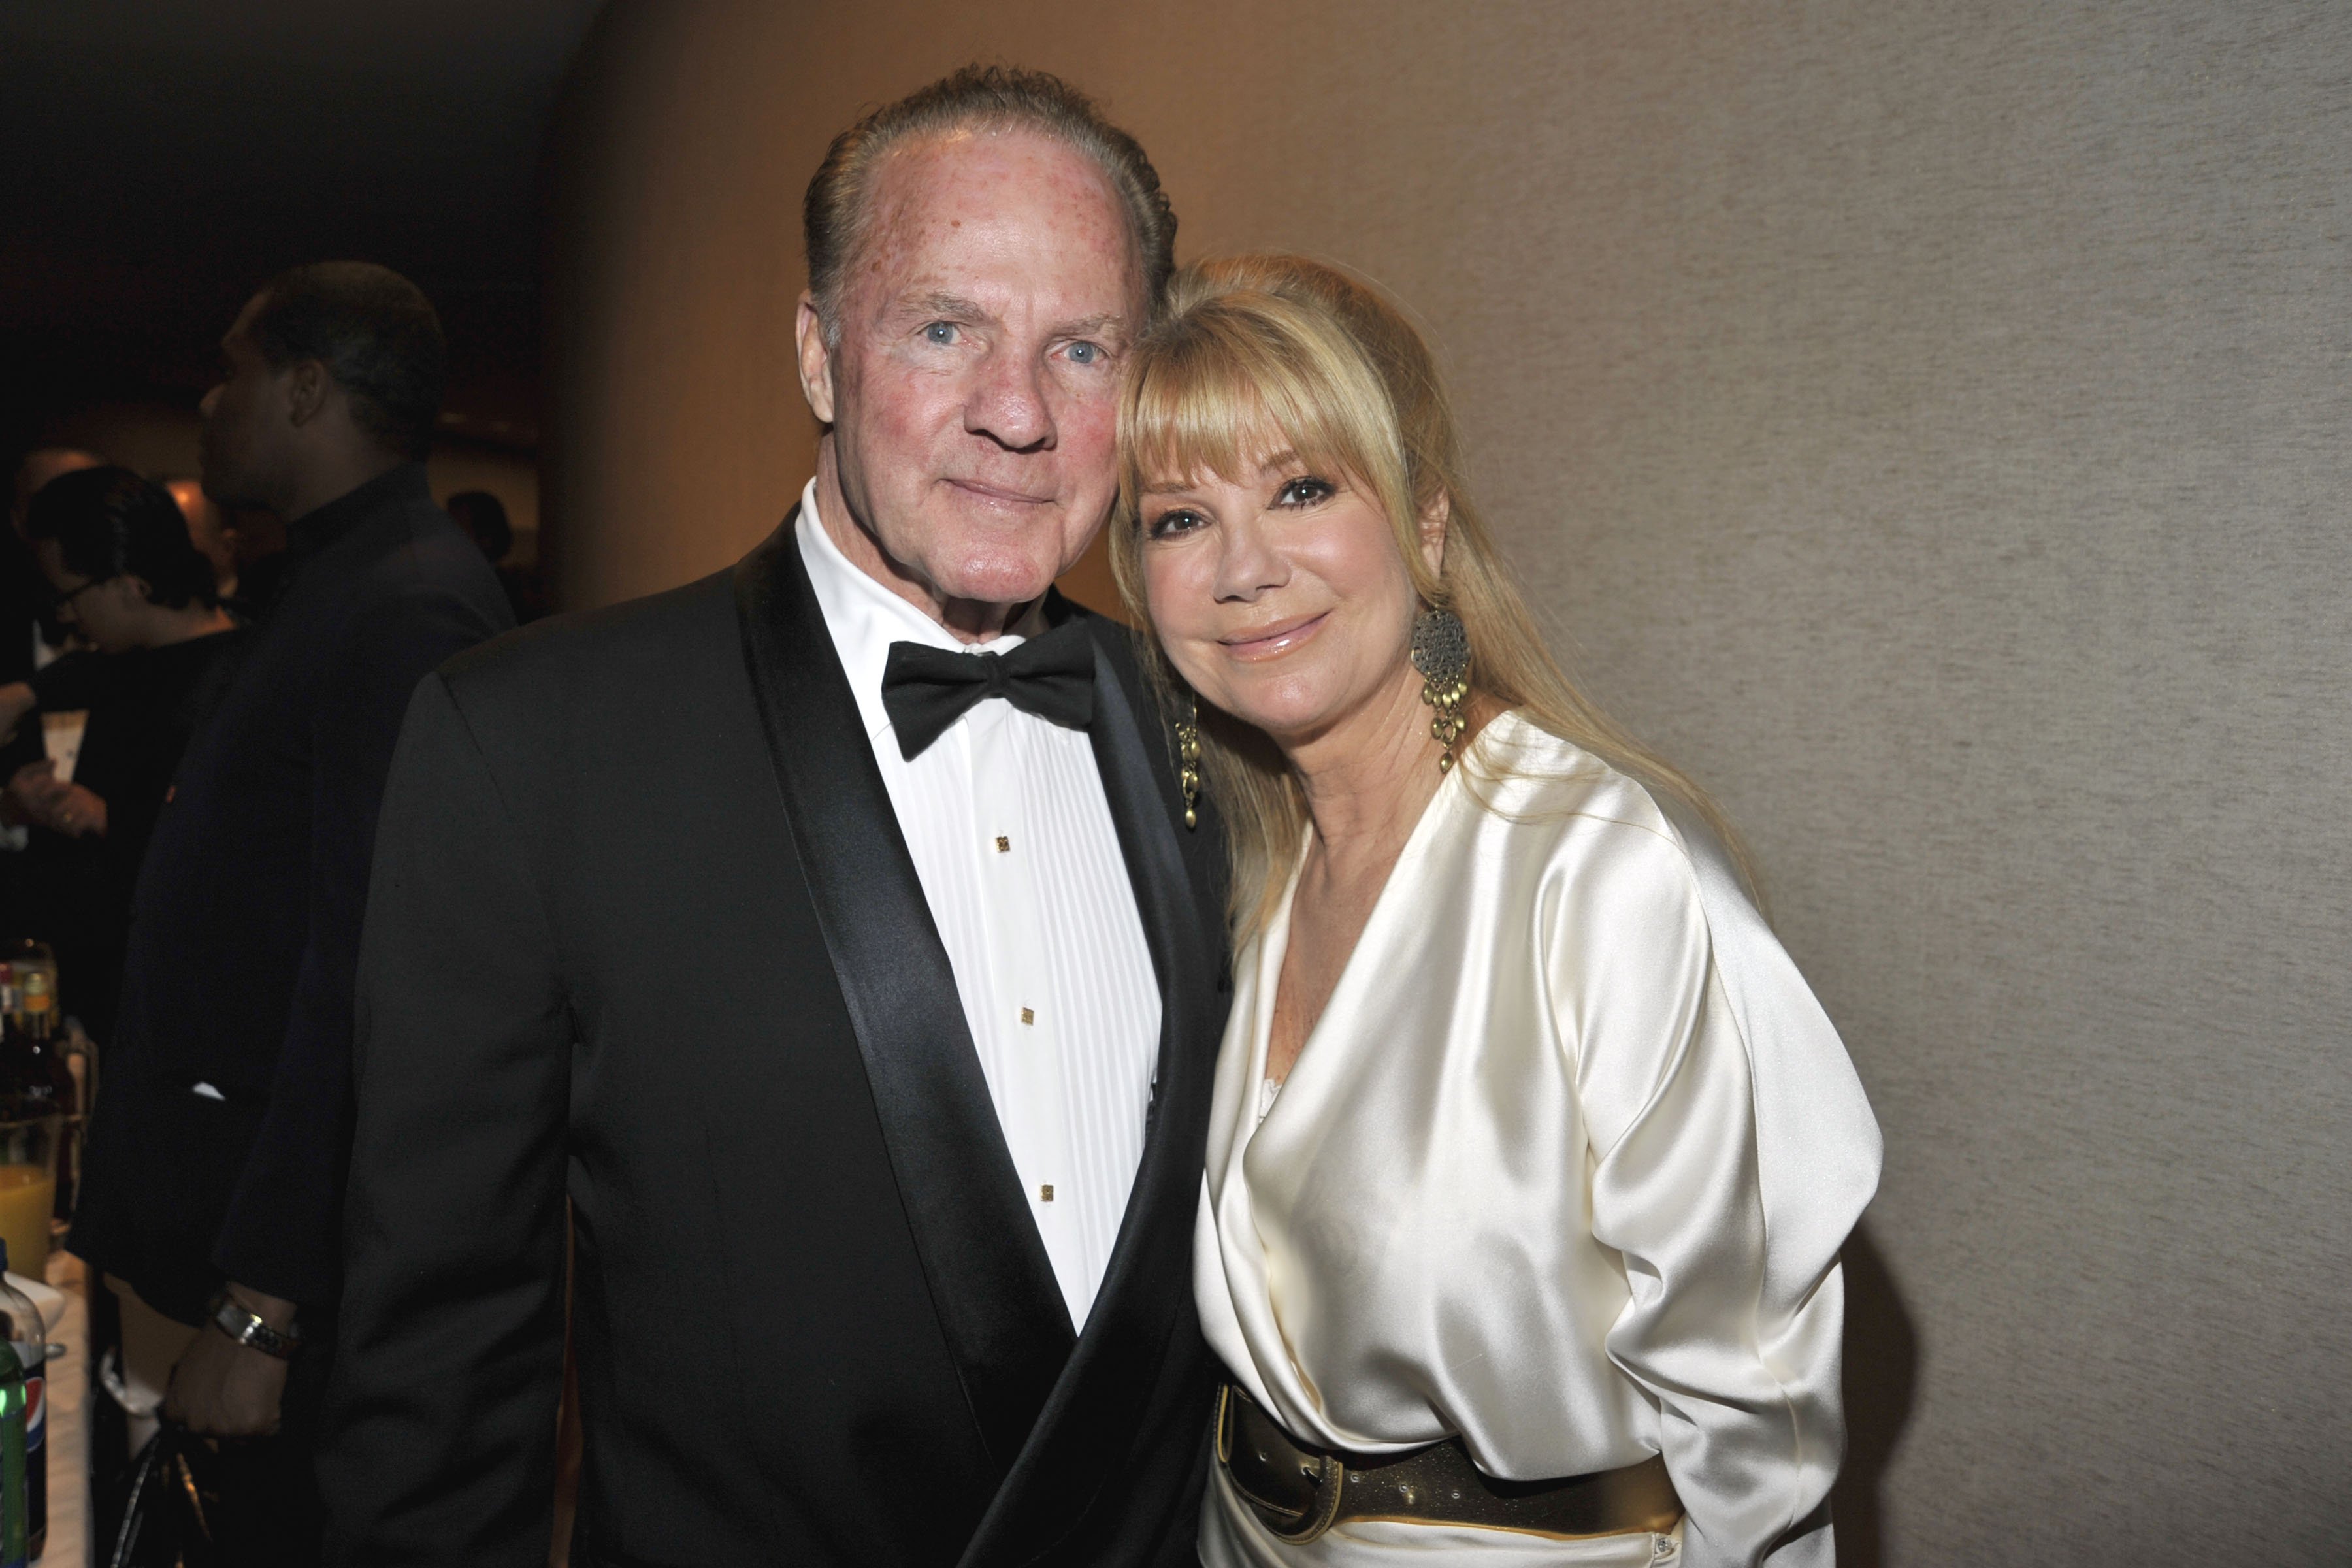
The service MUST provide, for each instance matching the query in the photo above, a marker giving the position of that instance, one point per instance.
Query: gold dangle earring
(1441, 651)
(1188, 758)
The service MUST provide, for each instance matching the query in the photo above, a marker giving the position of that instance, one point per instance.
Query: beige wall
(1929, 423)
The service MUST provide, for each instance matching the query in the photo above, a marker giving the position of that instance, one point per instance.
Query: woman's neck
(1368, 778)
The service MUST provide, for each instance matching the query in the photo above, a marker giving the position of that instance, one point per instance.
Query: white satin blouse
(1563, 1170)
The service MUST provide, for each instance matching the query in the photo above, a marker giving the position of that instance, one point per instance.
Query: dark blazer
(244, 928)
(644, 933)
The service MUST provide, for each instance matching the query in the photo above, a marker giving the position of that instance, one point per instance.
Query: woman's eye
(1169, 523)
(942, 334)
(1304, 491)
(1085, 353)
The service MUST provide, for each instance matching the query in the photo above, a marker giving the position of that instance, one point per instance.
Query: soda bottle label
(36, 1408)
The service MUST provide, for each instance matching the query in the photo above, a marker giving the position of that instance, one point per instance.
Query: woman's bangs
(1221, 403)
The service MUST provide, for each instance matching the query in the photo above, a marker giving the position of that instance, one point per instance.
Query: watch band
(241, 1323)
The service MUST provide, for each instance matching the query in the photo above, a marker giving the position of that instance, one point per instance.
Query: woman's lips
(1274, 641)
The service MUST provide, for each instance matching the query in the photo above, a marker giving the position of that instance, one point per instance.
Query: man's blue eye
(940, 332)
(1085, 353)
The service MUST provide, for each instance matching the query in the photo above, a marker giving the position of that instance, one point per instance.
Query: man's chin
(1007, 572)
(996, 582)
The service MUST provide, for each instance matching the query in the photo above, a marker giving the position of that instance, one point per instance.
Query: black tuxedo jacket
(644, 932)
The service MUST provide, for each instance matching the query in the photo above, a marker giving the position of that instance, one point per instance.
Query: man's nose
(1009, 404)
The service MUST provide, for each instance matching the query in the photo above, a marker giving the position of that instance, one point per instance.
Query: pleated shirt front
(1012, 837)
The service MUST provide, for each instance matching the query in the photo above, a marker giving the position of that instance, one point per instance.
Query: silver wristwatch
(242, 1324)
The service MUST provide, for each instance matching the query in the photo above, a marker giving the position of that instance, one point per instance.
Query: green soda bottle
(21, 1327)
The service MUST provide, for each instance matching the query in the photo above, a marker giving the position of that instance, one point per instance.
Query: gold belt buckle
(1328, 1478)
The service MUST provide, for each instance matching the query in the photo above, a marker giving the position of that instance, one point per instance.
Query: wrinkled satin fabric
(1563, 1169)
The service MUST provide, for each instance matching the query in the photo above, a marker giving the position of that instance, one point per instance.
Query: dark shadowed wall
(1931, 424)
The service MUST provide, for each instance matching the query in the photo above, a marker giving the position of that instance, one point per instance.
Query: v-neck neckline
(1275, 944)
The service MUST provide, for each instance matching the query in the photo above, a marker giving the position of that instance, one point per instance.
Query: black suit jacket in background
(644, 932)
(244, 938)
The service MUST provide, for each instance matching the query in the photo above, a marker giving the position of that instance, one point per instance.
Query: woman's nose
(1247, 563)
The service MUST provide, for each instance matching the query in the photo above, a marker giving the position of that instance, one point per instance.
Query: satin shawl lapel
(991, 1285)
(1090, 1424)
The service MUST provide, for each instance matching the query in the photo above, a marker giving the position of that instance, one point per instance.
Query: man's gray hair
(977, 97)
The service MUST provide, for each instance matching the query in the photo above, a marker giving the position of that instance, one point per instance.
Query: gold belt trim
(1299, 1492)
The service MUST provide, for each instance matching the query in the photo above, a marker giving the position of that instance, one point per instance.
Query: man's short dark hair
(982, 98)
(109, 522)
(376, 333)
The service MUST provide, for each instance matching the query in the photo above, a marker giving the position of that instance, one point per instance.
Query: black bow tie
(925, 688)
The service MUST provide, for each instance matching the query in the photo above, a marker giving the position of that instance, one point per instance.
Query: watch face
(248, 1329)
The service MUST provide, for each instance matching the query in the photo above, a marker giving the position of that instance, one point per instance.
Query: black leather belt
(1299, 1492)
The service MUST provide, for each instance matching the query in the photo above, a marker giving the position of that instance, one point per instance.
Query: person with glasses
(130, 583)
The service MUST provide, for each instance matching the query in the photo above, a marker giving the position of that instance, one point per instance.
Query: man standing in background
(213, 1185)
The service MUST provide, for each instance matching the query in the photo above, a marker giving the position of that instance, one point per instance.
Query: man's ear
(1432, 533)
(816, 360)
(308, 388)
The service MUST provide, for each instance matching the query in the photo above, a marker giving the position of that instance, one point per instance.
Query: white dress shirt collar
(866, 617)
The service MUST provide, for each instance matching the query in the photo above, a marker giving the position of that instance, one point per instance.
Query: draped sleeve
(1731, 1151)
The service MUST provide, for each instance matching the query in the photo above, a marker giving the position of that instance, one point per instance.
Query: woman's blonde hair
(1256, 354)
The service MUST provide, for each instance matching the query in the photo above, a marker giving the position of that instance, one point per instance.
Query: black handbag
(170, 1504)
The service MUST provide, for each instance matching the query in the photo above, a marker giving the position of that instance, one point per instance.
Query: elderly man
(859, 991)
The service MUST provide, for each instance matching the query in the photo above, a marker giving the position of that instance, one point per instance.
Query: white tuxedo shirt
(1012, 840)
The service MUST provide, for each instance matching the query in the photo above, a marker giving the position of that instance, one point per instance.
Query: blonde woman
(1531, 1153)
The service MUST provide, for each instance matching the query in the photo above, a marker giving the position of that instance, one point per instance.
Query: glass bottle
(35, 1091)
(28, 1338)
(15, 1545)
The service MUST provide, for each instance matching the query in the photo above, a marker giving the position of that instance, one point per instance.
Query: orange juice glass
(29, 1192)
